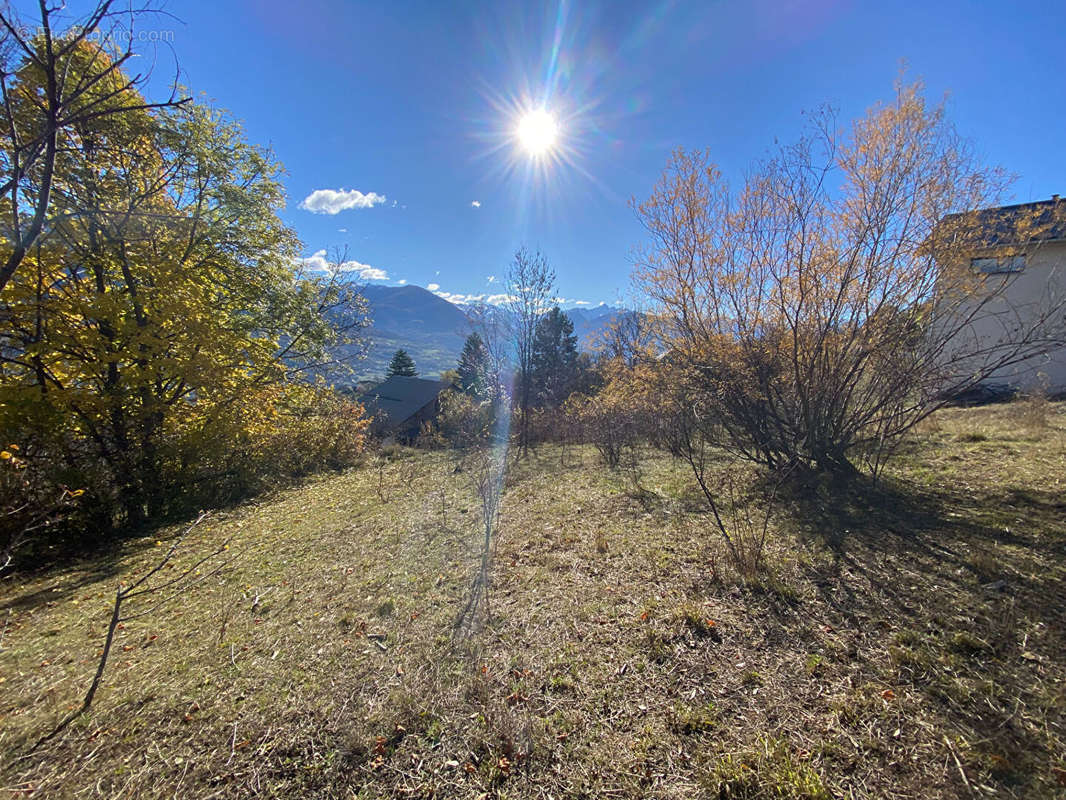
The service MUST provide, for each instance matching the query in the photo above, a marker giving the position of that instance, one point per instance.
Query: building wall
(1040, 286)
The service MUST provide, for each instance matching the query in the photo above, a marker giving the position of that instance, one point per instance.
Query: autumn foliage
(818, 312)
(159, 341)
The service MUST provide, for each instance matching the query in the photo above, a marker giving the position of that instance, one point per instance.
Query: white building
(1021, 265)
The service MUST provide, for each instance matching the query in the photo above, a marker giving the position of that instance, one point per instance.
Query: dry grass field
(905, 640)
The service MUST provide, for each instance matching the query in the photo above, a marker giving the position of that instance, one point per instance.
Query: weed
(601, 540)
(966, 643)
(814, 665)
(751, 678)
(693, 720)
(693, 619)
(773, 770)
(986, 566)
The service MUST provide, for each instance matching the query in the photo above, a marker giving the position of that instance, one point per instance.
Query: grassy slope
(871, 663)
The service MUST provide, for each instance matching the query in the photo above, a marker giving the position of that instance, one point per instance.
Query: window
(1001, 264)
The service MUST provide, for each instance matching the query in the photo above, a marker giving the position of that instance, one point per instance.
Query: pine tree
(473, 367)
(554, 361)
(402, 365)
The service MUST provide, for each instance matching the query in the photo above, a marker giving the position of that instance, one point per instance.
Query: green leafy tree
(554, 359)
(160, 311)
(473, 367)
(402, 365)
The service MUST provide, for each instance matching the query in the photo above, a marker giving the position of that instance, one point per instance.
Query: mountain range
(432, 330)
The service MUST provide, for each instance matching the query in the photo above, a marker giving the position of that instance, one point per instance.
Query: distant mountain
(429, 328)
(432, 330)
(591, 323)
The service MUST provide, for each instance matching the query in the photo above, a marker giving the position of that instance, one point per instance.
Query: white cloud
(319, 263)
(402, 281)
(491, 279)
(476, 204)
(332, 201)
(342, 230)
(460, 299)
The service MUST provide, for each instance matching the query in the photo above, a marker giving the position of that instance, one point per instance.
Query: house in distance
(400, 405)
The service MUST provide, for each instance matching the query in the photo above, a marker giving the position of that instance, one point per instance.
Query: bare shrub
(395, 471)
(605, 422)
(828, 306)
(741, 512)
(485, 469)
(465, 421)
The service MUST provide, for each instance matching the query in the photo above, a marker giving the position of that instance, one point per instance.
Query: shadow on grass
(75, 557)
(971, 543)
(964, 578)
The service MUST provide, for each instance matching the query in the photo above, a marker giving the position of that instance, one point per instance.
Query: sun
(537, 132)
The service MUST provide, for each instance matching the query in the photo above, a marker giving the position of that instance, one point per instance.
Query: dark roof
(1024, 223)
(400, 398)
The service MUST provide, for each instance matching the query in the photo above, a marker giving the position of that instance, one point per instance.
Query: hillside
(432, 330)
(591, 323)
(429, 328)
(900, 644)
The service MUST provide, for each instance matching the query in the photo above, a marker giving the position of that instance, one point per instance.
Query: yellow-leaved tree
(160, 335)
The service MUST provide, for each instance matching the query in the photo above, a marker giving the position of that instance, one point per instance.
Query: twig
(139, 587)
(962, 772)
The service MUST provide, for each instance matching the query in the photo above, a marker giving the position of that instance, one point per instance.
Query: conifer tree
(402, 365)
(554, 362)
(473, 367)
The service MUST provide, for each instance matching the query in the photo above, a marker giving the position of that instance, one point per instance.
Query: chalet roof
(400, 398)
(1024, 223)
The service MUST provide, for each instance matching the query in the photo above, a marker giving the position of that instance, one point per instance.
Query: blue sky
(415, 102)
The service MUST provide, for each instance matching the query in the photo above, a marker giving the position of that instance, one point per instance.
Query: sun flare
(537, 132)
